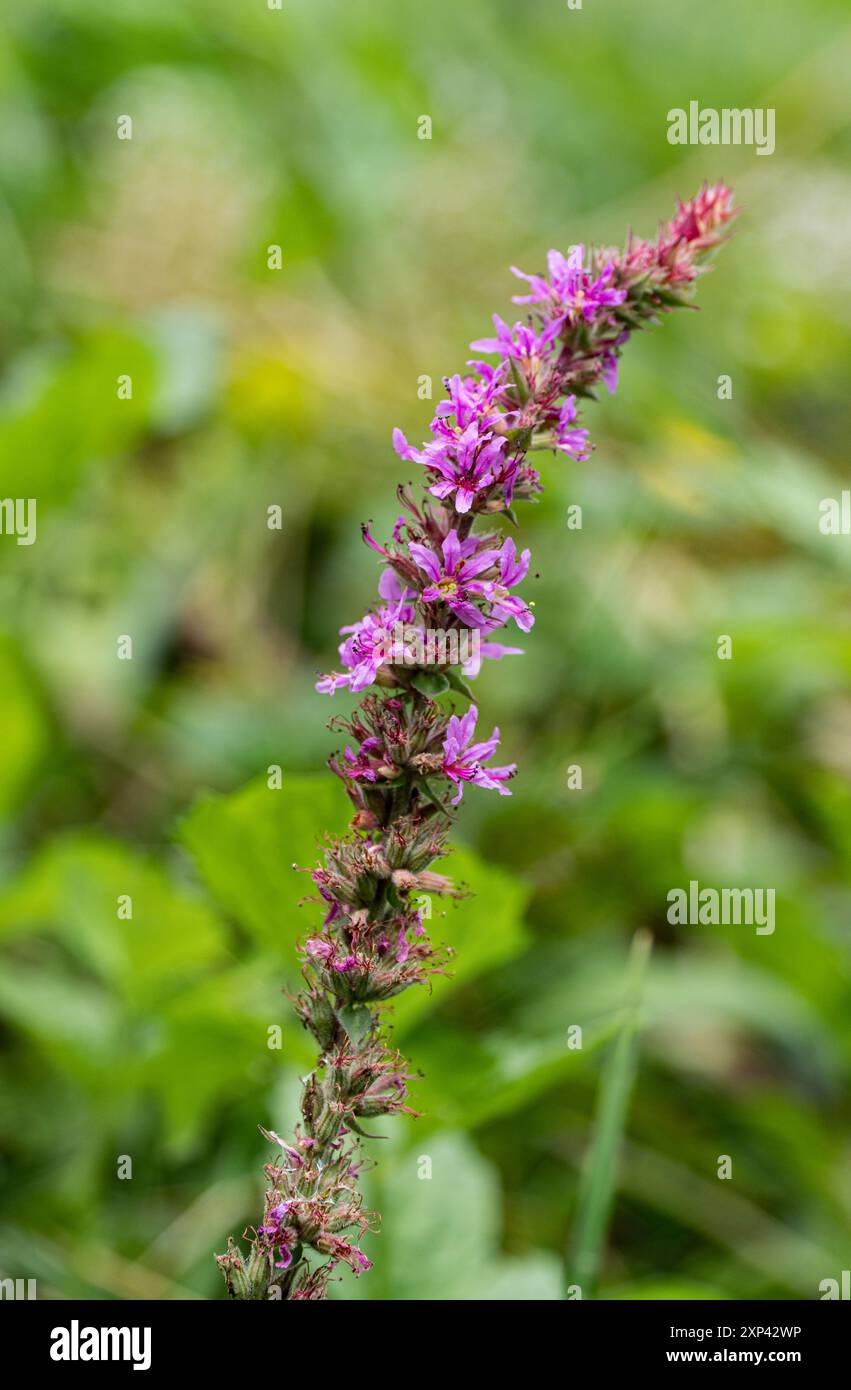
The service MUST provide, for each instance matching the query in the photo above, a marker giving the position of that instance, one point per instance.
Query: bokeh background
(254, 387)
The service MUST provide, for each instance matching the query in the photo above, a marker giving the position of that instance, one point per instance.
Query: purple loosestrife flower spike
(407, 759)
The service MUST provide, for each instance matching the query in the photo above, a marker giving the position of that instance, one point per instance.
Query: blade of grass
(598, 1178)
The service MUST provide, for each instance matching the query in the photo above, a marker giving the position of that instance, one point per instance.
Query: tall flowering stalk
(407, 759)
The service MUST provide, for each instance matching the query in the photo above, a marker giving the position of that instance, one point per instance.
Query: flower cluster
(581, 316)
(407, 758)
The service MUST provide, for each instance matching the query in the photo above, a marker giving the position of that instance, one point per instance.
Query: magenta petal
(451, 551)
(426, 559)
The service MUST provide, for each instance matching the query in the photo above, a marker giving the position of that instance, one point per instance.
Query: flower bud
(316, 1013)
(257, 1271)
(233, 1268)
(404, 880)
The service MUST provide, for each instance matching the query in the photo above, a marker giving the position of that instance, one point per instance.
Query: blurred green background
(254, 387)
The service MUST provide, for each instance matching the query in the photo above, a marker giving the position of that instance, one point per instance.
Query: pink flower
(507, 605)
(319, 949)
(466, 463)
(571, 441)
(473, 398)
(340, 1249)
(358, 764)
(609, 362)
(462, 760)
(488, 651)
(521, 343)
(451, 582)
(571, 291)
(370, 643)
(274, 1235)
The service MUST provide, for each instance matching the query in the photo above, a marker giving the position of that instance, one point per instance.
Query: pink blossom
(370, 643)
(571, 441)
(473, 398)
(452, 581)
(505, 604)
(521, 343)
(466, 463)
(571, 291)
(462, 760)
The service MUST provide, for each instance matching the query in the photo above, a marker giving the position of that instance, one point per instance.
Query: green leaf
(598, 1179)
(210, 1047)
(245, 847)
(484, 930)
(433, 796)
(430, 683)
(457, 681)
(468, 1079)
(75, 888)
(441, 1231)
(356, 1020)
(39, 456)
(57, 1009)
(25, 726)
(579, 982)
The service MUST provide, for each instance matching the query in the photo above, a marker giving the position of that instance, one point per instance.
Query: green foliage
(253, 389)
(249, 847)
(484, 931)
(356, 1020)
(26, 726)
(600, 1171)
(431, 683)
(441, 1231)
